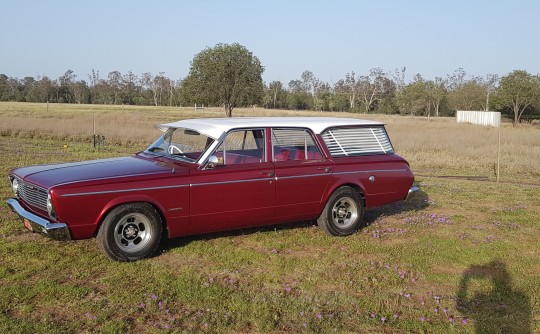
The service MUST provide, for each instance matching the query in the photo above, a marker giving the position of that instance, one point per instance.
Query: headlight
(50, 207)
(15, 186)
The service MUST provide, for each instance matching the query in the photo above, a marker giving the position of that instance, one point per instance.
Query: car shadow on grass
(168, 244)
(416, 202)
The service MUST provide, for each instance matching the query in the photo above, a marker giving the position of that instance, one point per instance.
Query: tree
(437, 92)
(350, 85)
(398, 77)
(370, 87)
(468, 96)
(275, 96)
(227, 74)
(518, 91)
(490, 85)
(414, 97)
(115, 83)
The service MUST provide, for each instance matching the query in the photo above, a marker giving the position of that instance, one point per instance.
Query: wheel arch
(336, 186)
(129, 200)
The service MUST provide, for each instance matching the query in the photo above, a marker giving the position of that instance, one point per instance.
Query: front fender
(125, 200)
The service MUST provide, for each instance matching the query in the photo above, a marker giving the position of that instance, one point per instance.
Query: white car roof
(215, 127)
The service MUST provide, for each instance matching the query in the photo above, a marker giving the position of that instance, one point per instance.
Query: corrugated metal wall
(488, 118)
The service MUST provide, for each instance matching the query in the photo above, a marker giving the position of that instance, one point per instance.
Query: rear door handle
(269, 173)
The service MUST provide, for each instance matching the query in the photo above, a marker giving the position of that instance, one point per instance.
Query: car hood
(50, 175)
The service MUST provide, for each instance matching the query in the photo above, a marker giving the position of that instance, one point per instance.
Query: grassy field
(461, 257)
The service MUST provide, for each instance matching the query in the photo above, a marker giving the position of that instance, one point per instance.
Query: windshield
(181, 143)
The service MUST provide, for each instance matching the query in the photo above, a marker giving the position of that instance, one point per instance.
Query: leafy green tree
(227, 74)
(518, 91)
(275, 96)
(471, 95)
(437, 92)
(414, 98)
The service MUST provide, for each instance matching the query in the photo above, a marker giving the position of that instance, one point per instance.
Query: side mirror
(213, 161)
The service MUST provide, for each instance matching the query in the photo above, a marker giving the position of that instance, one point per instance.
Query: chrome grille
(33, 195)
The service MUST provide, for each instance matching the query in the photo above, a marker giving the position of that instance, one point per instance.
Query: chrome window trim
(211, 150)
(307, 131)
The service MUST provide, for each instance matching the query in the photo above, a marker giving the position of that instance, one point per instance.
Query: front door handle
(326, 169)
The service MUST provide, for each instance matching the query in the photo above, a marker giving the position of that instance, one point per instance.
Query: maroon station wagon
(208, 175)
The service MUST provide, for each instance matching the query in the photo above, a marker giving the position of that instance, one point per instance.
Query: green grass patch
(461, 257)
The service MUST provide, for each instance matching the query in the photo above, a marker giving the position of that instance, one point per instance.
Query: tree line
(231, 76)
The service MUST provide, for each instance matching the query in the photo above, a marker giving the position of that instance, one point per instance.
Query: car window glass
(181, 143)
(294, 144)
(242, 146)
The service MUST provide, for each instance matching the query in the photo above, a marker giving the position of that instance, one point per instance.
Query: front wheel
(343, 213)
(130, 232)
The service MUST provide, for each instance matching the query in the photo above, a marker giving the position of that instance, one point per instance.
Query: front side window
(185, 144)
(242, 146)
(294, 144)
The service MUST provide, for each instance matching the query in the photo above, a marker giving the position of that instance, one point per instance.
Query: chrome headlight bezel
(50, 207)
(14, 185)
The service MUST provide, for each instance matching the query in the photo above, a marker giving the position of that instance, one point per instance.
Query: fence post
(499, 155)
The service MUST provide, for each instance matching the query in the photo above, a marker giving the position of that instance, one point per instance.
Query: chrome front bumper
(56, 231)
(412, 191)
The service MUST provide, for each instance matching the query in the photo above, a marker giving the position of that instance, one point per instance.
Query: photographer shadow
(487, 297)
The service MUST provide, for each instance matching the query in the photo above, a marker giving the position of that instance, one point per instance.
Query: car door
(240, 191)
(302, 173)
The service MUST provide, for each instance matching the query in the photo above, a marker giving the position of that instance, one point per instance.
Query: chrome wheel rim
(344, 212)
(133, 232)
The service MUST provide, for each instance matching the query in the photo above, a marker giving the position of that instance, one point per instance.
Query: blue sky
(329, 38)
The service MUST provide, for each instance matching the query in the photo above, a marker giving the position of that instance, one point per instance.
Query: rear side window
(294, 144)
(353, 141)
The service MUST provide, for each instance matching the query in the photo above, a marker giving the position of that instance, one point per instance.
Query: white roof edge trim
(216, 127)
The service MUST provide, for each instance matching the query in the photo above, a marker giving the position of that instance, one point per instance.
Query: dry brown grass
(438, 147)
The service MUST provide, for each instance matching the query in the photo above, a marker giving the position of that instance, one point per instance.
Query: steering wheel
(173, 148)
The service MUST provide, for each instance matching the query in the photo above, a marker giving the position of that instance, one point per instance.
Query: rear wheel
(343, 213)
(130, 232)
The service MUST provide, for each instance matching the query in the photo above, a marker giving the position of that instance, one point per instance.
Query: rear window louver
(357, 141)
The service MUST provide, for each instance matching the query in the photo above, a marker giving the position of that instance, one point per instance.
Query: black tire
(343, 213)
(130, 232)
